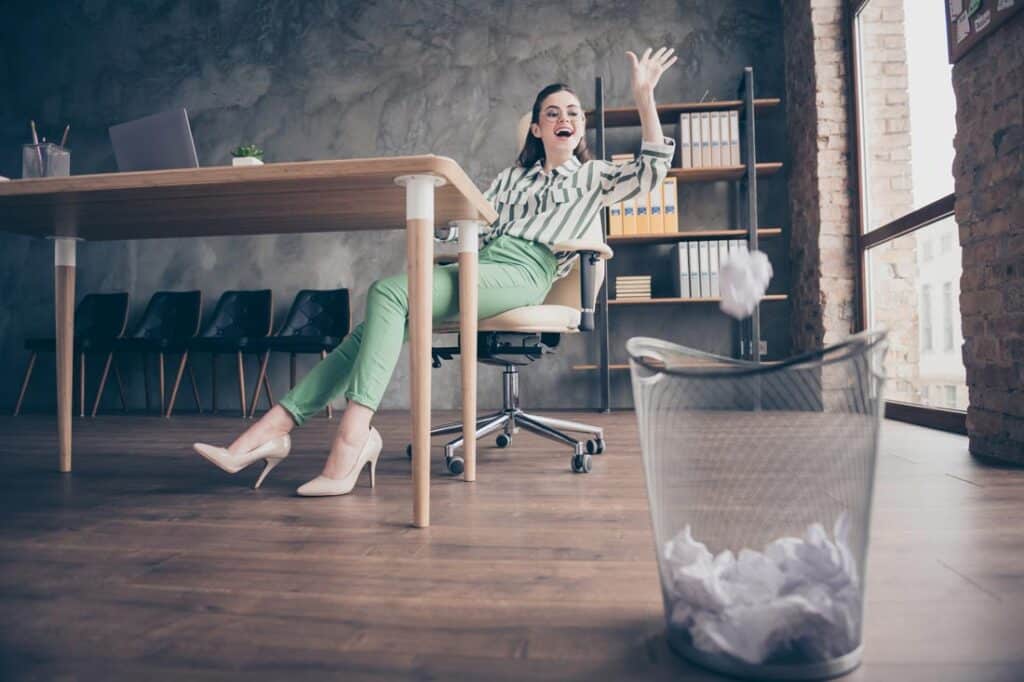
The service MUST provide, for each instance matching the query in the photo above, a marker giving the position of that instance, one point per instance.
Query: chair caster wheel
(455, 465)
(503, 440)
(408, 450)
(595, 446)
(581, 464)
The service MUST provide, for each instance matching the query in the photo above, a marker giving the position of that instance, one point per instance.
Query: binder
(670, 214)
(681, 268)
(713, 268)
(705, 138)
(694, 270)
(654, 206)
(734, 137)
(628, 217)
(615, 219)
(705, 269)
(695, 153)
(685, 160)
(716, 139)
(643, 219)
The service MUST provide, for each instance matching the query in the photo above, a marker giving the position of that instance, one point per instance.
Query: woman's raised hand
(647, 70)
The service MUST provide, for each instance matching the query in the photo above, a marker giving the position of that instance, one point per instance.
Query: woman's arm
(647, 71)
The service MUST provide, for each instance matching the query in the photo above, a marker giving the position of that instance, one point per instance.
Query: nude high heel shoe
(273, 451)
(322, 486)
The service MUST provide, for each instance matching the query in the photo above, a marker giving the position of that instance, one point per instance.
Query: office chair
(238, 318)
(317, 322)
(522, 335)
(99, 318)
(170, 319)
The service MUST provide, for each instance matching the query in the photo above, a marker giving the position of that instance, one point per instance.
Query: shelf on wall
(620, 117)
(722, 173)
(652, 301)
(669, 237)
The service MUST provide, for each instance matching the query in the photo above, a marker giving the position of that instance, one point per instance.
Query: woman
(552, 194)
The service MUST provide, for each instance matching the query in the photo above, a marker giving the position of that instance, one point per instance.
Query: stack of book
(697, 263)
(653, 213)
(709, 139)
(633, 288)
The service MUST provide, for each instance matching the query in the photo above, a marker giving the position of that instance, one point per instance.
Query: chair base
(511, 418)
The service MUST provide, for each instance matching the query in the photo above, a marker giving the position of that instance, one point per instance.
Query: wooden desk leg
(419, 225)
(468, 269)
(64, 299)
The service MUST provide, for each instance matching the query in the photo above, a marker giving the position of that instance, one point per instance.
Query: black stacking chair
(99, 318)
(170, 319)
(239, 318)
(317, 322)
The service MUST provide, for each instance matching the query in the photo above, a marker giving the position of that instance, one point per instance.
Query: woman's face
(561, 125)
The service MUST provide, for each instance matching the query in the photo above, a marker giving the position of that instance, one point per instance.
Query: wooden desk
(280, 198)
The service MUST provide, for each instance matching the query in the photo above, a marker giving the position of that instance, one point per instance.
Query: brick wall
(821, 245)
(990, 214)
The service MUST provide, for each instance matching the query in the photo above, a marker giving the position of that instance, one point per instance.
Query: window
(926, 318)
(905, 115)
(947, 243)
(951, 396)
(947, 316)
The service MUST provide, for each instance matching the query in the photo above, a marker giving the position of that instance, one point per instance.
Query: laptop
(156, 142)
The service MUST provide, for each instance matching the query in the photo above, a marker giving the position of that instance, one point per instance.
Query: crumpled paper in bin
(800, 596)
(742, 280)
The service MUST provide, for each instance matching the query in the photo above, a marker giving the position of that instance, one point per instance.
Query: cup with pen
(45, 159)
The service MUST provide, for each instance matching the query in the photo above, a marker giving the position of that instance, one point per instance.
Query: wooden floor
(148, 563)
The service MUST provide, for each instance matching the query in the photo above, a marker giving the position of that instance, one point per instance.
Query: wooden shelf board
(619, 117)
(722, 173)
(617, 367)
(654, 301)
(625, 240)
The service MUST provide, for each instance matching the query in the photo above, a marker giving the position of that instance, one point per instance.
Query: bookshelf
(745, 177)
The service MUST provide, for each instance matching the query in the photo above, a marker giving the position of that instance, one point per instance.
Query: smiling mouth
(563, 133)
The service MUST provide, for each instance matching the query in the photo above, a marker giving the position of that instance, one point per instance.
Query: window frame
(939, 209)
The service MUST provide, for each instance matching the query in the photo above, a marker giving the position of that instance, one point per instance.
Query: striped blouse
(565, 204)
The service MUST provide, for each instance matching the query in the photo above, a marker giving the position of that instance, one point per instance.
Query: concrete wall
(318, 80)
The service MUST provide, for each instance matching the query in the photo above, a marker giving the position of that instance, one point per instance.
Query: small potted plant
(247, 155)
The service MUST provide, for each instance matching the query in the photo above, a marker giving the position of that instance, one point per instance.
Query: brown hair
(533, 148)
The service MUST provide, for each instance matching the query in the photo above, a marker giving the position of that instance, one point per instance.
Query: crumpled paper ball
(742, 280)
(799, 596)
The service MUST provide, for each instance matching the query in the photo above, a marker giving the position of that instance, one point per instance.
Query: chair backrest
(172, 315)
(318, 312)
(565, 291)
(241, 314)
(101, 317)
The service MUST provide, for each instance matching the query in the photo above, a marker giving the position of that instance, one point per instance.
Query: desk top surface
(277, 198)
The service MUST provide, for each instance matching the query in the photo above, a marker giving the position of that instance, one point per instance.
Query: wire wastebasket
(759, 479)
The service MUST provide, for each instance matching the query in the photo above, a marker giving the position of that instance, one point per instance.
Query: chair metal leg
(566, 425)
(291, 371)
(330, 412)
(260, 378)
(24, 382)
(487, 428)
(548, 432)
(81, 384)
(120, 386)
(453, 427)
(145, 377)
(195, 388)
(241, 382)
(163, 399)
(103, 384)
(177, 382)
(213, 383)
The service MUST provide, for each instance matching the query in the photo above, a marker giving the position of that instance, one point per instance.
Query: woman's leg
(502, 287)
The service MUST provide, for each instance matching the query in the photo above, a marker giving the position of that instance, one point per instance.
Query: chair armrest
(598, 247)
(590, 282)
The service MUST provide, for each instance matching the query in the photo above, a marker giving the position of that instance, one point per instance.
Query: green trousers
(513, 273)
